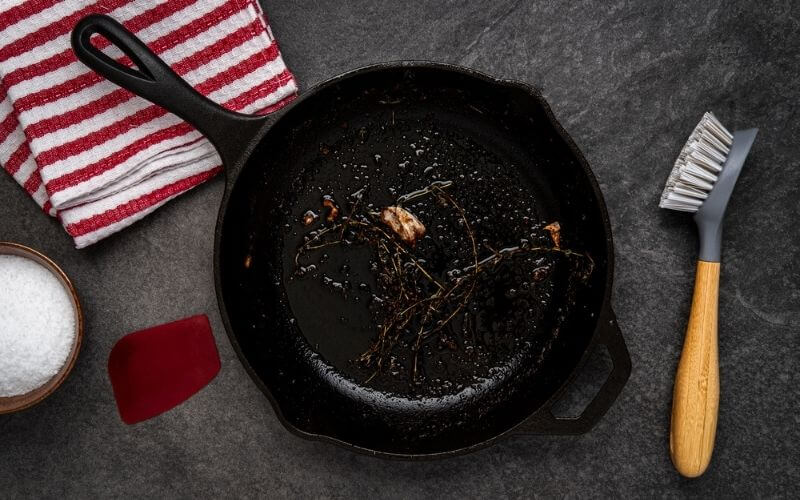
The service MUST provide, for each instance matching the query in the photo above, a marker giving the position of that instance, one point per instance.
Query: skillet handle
(153, 80)
(610, 336)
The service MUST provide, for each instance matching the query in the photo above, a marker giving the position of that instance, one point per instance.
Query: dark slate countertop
(628, 80)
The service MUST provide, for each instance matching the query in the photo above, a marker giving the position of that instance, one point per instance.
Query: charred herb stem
(415, 304)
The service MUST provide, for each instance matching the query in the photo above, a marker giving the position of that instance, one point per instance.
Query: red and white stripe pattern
(98, 157)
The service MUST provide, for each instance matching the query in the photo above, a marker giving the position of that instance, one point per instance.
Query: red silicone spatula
(156, 369)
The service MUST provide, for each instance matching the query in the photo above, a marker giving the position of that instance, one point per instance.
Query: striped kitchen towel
(98, 157)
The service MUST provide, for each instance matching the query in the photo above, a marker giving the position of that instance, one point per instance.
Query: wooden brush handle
(695, 400)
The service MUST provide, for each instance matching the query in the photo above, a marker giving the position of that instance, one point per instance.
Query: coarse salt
(37, 325)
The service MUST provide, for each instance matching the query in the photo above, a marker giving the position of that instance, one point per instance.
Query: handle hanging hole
(108, 48)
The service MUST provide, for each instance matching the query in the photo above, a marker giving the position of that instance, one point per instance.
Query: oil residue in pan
(418, 319)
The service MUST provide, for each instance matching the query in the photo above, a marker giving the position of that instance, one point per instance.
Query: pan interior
(307, 297)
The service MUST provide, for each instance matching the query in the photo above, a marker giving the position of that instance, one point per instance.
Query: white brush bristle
(697, 166)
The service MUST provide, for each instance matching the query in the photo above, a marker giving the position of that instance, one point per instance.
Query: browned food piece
(555, 233)
(333, 210)
(309, 217)
(403, 223)
(540, 273)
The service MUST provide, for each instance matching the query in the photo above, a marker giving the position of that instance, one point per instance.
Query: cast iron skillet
(393, 127)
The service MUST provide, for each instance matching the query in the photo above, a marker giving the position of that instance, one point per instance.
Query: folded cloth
(98, 157)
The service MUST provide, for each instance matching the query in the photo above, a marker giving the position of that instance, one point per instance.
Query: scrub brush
(701, 182)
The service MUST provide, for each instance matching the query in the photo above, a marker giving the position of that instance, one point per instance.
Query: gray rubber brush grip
(709, 216)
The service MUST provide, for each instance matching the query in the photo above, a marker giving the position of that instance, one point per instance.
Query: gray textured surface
(628, 80)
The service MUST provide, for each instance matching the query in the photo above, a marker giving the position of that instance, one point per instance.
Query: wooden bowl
(17, 403)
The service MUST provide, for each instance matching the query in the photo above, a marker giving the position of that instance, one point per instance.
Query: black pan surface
(513, 173)
(302, 320)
